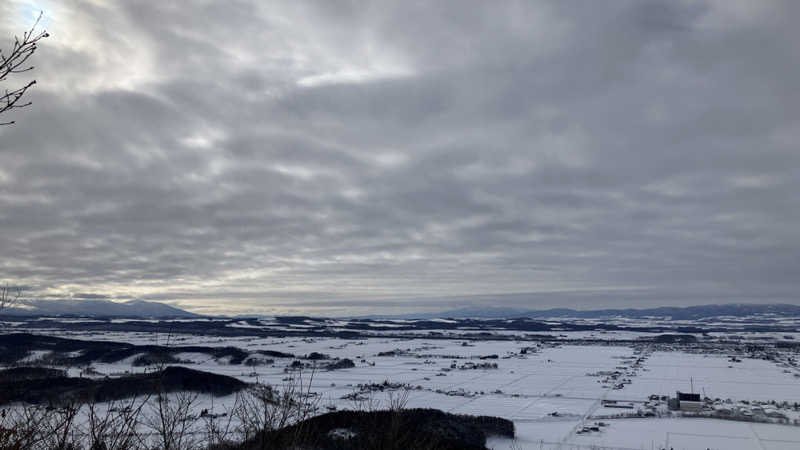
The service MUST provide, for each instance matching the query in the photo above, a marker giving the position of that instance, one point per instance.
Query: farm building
(686, 402)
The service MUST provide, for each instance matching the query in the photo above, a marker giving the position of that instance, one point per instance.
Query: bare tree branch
(9, 296)
(15, 62)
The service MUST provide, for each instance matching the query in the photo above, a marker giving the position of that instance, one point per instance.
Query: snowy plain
(550, 389)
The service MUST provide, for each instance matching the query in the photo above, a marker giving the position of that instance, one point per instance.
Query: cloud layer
(338, 157)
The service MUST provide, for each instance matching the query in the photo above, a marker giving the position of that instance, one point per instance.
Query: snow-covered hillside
(95, 308)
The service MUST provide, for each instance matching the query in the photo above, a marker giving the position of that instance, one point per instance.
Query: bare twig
(116, 427)
(220, 429)
(9, 296)
(171, 419)
(263, 409)
(15, 62)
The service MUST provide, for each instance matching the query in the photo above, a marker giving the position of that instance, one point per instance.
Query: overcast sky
(338, 157)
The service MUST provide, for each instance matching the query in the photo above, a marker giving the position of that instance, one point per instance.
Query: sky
(357, 157)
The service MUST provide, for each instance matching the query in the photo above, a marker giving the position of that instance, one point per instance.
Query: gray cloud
(320, 156)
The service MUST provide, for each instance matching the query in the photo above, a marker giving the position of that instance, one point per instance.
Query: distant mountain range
(95, 308)
(674, 312)
(149, 309)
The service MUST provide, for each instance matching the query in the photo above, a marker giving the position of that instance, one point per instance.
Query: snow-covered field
(636, 434)
(549, 390)
(713, 375)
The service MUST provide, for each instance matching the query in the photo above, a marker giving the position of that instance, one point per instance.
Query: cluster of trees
(161, 420)
(165, 410)
(261, 417)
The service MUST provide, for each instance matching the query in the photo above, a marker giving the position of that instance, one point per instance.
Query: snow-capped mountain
(95, 308)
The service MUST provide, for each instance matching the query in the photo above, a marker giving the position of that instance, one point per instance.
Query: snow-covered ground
(549, 390)
(714, 375)
(636, 434)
